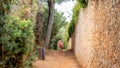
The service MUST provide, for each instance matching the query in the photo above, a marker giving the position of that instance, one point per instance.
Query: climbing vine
(79, 4)
(83, 3)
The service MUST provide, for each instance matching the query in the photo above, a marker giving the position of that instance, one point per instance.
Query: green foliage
(25, 9)
(75, 10)
(62, 34)
(45, 19)
(16, 39)
(28, 63)
(54, 42)
(83, 3)
(59, 22)
(71, 29)
(74, 20)
(79, 4)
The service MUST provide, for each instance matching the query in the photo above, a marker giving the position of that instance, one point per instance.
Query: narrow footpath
(54, 59)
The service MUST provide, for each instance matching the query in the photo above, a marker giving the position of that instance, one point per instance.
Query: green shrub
(16, 34)
(16, 39)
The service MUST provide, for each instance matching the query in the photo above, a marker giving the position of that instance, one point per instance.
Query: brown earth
(54, 59)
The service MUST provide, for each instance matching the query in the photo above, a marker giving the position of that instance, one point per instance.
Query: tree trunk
(50, 22)
(38, 28)
(38, 34)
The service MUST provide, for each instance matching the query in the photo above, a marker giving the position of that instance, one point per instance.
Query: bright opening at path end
(66, 8)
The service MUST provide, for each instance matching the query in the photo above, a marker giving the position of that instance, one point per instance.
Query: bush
(16, 34)
(16, 39)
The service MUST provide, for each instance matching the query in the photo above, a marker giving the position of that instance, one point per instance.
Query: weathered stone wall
(71, 42)
(97, 35)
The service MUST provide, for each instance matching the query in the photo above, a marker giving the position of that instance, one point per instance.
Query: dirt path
(55, 59)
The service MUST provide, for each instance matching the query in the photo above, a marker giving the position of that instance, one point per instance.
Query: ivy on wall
(79, 4)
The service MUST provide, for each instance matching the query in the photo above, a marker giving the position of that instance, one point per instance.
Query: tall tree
(59, 22)
(51, 4)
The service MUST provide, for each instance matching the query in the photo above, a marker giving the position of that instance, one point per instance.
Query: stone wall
(71, 42)
(97, 35)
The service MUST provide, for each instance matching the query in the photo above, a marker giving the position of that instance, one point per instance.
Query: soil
(56, 59)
